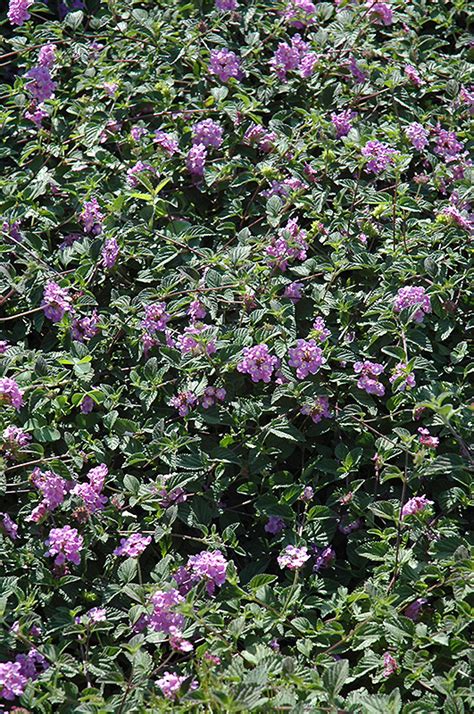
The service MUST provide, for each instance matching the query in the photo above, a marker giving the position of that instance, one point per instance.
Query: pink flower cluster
(257, 135)
(207, 566)
(84, 328)
(156, 318)
(413, 296)
(138, 168)
(56, 301)
(426, 439)
(18, 11)
(417, 135)
(342, 122)
(294, 56)
(8, 526)
(66, 544)
(380, 12)
(290, 245)
(318, 410)
(184, 402)
(258, 363)
(401, 372)
(306, 357)
(41, 87)
(209, 133)
(166, 141)
(413, 75)
(10, 393)
(14, 676)
(212, 395)
(170, 684)
(379, 156)
(415, 505)
(225, 64)
(163, 617)
(390, 665)
(110, 253)
(47, 55)
(293, 557)
(92, 217)
(194, 342)
(299, 13)
(53, 488)
(196, 159)
(91, 493)
(368, 380)
(320, 331)
(133, 546)
(227, 5)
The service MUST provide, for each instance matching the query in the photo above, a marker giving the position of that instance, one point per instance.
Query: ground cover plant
(235, 363)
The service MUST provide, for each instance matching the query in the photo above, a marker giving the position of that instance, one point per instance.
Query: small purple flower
(369, 372)
(18, 11)
(415, 505)
(56, 301)
(156, 318)
(12, 681)
(41, 87)
(196, 160)
(324, 557)
(417, 135)
(274, 525)
(317, 410)
(208, 133)
(256, 135)
(225, 64)
(299, 13)
(413, 296)
(66, 544)
(399, 372)
(133, 546)
(342, 122)
(289, 245)
(358, 75)
(110, 253)
(210, 567)
(10, 393)
(293, 291)
(195, 342)
(293, 558)
(308, 494)
(196, 311)
(426, 439)
(91, 493)
(412, 74)
(447, 144)
(47, 55)
(136, 169)
(164, 617)
(453, 215)
(291, 57)
(379, 156)
(183, 402)
(84, 328)
(211, 396)
(390, 665)
(227, 5)
(380, 12)
(306, 357)
(258, 363)
(137, 132)
(110, 88)
(8, 526)
(87, 404)
(37, 115)
(414, 609)
(320, 331)
(170, 684)
(3, 346)
(166, 141)
(92, 217)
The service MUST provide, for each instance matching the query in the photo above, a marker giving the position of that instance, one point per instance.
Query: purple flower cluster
(448, 145)
(207, 566)
(379, 156)
(183, 402)
(317, 410)
(415, 505)
(294, 56)
(166, 141)
(133, 546)
(413, 296)
(163, 617)
(426, 439)
(170, 684)
(91, 493)
(414, 609)
(41, 87)
(390, 665)
(417, 135)
(342, 122)
(380, 12)
(92, 217)
(320, 331)
(196, 160)
(257, 135)
(14, 439)
(47, 55)
(212, 395)
(258, 363)
(10, 393)
(306, 357)
(369, 372)
(56, 301)
(299, 13)
(209, 133)
(18, 11)
(66, 544)
(284, 188)
(53, 488)
(413, 75)
(323, 557)
(289, 245)
(84, 328)
(8, 526)
(274, 525)
(225, 64)
(110, 253)
(227, 5)
(156, 318)
(136, 169)
(294, 291)
(293, 557)
(408, 378)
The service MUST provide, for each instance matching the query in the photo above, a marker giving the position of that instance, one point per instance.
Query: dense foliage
(235, 361)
